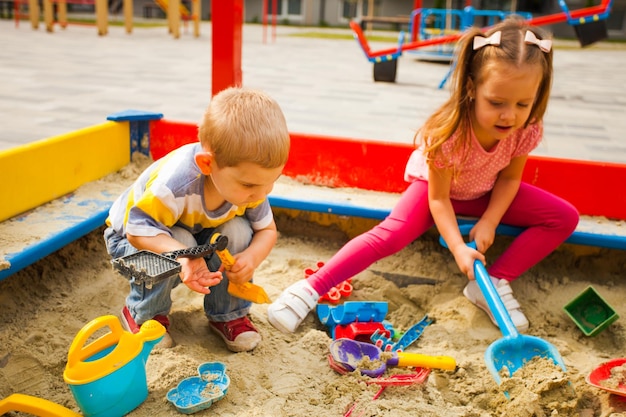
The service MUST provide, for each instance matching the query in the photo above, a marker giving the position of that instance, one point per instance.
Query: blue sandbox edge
(578, 237)
(57, 241)
(45, 247)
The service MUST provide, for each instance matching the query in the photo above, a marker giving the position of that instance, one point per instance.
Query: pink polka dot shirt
(479, 171)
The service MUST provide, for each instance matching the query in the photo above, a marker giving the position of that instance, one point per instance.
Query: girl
(469, 161)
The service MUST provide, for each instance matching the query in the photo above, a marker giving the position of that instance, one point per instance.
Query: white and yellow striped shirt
(170, 192)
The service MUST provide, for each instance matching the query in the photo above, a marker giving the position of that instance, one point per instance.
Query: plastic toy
(359, 318)
(590, 312)
(335, 294)
(310, 271)
(351, 354)
(352, 311)
(200, 392)
(344, 289)
(601, 377)
(247, 290)
(386, 344)
(418, 377)
(107, 376)
(513, 350)
(35, 406)
(149, 268)
(361, 331)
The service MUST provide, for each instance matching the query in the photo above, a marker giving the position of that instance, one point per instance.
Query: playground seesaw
(53, 190)
(440, 28)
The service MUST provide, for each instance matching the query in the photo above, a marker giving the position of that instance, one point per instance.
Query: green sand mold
(590, 312)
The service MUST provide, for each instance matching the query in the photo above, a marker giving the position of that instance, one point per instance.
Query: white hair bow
(494, 39)
(544, 44)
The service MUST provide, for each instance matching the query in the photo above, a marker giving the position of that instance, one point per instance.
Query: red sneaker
(128, 322)
(240, 335)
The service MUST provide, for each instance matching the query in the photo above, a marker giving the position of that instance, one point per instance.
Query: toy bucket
(590, 312)
(108, 375)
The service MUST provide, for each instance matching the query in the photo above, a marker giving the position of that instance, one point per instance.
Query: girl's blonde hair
(472, 67)
(245, 125)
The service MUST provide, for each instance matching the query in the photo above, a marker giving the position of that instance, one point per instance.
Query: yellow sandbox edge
(39, 172)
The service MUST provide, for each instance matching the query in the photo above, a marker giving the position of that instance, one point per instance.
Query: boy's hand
(196, 275)
(242, 270)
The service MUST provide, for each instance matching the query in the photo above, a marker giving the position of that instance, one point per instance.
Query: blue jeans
(145, 303)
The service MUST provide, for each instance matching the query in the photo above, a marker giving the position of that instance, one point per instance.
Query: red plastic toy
(361, 331)
(334, 295)
(599, 376)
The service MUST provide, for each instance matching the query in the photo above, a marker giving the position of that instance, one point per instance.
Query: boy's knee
(184, 236)
(239, 233)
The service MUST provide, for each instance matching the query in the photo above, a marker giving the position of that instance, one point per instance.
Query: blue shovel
(514, 350)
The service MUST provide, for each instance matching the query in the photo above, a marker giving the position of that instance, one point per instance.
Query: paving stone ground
(53, 83)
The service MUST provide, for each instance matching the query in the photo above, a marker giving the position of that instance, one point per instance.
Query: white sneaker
(473, 293)
(292, 306)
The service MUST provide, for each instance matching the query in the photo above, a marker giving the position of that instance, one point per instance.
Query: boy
(217, 185)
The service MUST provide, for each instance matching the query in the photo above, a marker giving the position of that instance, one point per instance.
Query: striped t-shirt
(170, 192)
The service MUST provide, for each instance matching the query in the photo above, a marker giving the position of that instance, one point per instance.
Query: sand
(45, 305)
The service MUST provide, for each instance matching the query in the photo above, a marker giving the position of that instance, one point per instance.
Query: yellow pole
(62, 13)
(167, 9)
(173, 11)
(102, 16)
(128, 16)
(47, 15)
(33, 13)
(196, 12)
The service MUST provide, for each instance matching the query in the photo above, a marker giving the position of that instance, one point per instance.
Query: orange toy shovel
(247, 290)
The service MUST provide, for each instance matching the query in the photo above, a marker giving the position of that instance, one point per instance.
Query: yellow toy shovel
(247, 290)
(35, 406)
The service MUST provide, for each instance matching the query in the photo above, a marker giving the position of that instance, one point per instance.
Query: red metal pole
(415, 28)
(227, 18)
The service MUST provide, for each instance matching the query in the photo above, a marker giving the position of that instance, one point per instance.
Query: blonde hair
(245, 125)
(472, 67)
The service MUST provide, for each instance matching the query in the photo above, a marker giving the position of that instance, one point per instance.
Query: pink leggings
(548, 221)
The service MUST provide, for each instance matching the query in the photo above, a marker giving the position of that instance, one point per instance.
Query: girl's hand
(196, 275)
(483, 233)
(465, 257)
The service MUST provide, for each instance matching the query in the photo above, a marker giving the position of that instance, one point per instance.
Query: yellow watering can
(107, 376)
